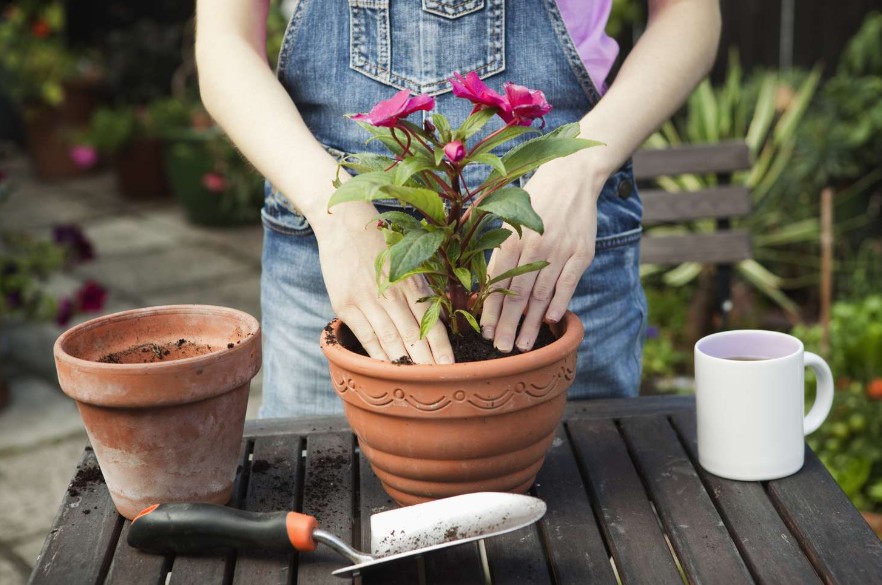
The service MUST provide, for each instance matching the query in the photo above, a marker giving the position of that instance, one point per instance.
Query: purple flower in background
(651, 332)
(64, 312)
(14, 300)
(72, 237)
(83, 156)
(91, 296)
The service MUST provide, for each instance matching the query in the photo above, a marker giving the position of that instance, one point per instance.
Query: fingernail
(487, 332)
(553, 317)
(445, 359)
(504, 345)
(525, 344)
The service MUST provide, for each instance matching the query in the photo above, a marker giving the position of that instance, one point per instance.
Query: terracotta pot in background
(169, 430)
(436, 431)
(140, 170)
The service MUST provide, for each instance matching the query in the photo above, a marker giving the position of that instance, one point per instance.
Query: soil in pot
(469, 346)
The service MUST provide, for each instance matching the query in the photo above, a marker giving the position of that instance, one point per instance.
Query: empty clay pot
(433, 431)
(163, 392)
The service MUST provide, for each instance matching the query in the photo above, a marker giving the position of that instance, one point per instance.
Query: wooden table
(624, 492)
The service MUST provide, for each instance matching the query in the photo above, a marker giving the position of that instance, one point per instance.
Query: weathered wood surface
(724, 157)
(724, 247)
(660, 207)
(621, 480)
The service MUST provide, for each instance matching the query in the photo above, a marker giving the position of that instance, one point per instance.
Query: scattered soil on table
(469, 346)
(327, 469)
(148, 353)
(85, 479)
(260, 465)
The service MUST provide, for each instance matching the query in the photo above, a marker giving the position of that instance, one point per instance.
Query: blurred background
(117, 191)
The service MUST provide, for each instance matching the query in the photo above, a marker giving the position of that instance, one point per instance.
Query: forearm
(675, 52)
(243, 95)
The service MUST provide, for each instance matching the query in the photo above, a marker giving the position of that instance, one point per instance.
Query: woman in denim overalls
(341, 57)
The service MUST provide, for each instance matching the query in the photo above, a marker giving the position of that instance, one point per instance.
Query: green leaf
(786, 126)
(763, 114)
(489, 240)
(490, 159)
(478, 266)
(379, 262)
(364, 187)
(425, 201)
(411, 166)
(415, 247)
(366, 162)
(470, 318)
(399, 219)
(537, 151)
(430, 317)
(439, 156)
(517, 271)
(392, 237)
(443, 127)
(504, 136)
(464, 276)
(513, 205)
(474, 123)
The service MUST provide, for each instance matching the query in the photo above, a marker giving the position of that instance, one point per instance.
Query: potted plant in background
(132, 137)
(54, 87)
(432, 431)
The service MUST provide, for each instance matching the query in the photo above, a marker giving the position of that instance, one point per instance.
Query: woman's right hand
(387, 326)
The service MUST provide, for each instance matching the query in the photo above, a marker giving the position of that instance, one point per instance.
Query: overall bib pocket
(409, 45)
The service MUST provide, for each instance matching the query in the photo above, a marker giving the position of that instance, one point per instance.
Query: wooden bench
(724, 246)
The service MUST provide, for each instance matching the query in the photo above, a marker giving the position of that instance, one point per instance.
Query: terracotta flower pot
(140, 170)
(163, 392)
(436, 431)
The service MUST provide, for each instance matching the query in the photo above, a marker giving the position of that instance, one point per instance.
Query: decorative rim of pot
(182, 387)
(572, 333)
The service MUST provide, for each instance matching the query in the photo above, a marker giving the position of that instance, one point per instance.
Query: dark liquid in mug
(746, 359)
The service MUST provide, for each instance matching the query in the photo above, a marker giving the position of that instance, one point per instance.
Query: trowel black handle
(193, 529)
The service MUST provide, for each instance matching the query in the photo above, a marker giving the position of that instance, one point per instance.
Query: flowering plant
(446, 239)
(25, 262)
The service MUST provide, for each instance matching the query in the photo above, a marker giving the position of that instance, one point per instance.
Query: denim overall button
(625, 189)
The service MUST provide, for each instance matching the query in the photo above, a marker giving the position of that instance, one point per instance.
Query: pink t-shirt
(585, 21)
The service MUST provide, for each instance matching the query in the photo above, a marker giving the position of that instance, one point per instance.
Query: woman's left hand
(564, 193)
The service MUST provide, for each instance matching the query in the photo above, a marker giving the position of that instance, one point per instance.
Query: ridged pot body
(442, 430)
(170, 430)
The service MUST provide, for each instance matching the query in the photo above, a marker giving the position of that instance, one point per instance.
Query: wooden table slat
(630, 526)
(828, 526)
(516, 558)
(768, 548)
(211, 569)
(273, 486)
(327, 495)
(373, 500)
(80, 546)
(577, 554)
(697, 533)
(609, 408)
(132, 567)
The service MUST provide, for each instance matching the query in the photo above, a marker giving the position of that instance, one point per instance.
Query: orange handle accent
(145, 511)
(300, 527)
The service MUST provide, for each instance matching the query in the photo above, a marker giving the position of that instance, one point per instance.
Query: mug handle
(823, 395)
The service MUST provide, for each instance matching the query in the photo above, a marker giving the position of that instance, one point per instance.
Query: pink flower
(473, 89)
(214, 182)
(526, 104)
(387, 113)
(84, 156)
(91, 296)
(454, 151)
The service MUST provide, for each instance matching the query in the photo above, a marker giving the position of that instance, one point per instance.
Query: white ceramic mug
(750, 403)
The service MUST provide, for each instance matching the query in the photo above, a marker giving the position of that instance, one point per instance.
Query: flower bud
(454, 151)
(428, 127)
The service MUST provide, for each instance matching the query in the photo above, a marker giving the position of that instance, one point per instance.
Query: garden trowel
(202, 528)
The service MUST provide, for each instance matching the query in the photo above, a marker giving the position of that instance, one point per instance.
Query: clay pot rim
(251, 329)
(573, 332)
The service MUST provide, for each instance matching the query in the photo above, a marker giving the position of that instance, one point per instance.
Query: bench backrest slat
(722, 158)
(716, 203)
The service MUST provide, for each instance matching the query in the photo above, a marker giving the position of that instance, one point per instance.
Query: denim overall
(340, 57)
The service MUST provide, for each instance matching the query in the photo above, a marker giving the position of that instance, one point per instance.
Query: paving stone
(10, 575)
(38, 412)
(45, 204)
(33, 484)
(244, 240)
(242, 292)
(169, 269)
(125, 235)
